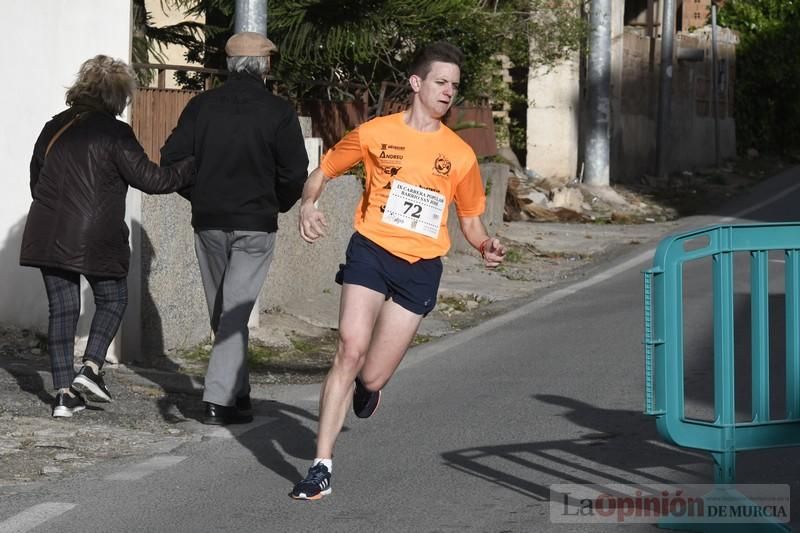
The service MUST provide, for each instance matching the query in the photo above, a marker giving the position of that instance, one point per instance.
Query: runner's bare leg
(394, 331)
(358, 311)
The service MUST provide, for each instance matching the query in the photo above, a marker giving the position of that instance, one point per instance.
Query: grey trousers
(233, 266)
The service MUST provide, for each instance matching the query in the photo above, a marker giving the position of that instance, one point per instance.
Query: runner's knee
(350, 353)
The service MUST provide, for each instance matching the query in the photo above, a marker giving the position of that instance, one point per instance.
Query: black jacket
(77, 219)
(251, 157)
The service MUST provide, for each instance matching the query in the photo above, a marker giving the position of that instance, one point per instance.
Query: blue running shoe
(365, 401)
(316, 484)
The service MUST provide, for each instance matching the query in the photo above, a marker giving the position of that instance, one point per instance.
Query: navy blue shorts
(413, 286)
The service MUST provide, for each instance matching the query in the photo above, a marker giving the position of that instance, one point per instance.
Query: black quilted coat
(76, 221)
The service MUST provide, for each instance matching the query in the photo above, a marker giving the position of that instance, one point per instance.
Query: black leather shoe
(244, 405)
(222, 415)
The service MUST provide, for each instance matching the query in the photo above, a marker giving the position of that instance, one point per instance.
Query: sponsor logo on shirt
(392, 147)
(387, 149)
(394, 157)
(442, 165)
(391, 171)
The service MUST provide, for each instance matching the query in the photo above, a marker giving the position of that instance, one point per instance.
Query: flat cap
(249, 43)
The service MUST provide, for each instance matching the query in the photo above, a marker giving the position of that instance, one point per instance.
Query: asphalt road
(472, 432)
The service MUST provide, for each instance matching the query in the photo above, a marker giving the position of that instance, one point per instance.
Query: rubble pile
(567, 200)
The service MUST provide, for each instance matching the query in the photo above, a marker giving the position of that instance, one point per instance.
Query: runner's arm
(312, 222)
(491, 249)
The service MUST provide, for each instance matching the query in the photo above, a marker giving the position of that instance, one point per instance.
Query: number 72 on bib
(414, 208)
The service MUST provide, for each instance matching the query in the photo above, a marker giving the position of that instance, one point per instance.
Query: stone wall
(691, 132)
(557, 110)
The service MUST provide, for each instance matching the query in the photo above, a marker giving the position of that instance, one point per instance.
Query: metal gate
(154, 114)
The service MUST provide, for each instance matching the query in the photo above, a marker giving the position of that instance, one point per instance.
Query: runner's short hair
(441, 51)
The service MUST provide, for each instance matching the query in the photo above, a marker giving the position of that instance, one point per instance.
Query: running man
(415, 167)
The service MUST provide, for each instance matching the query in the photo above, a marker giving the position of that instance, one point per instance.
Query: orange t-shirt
(430, 166)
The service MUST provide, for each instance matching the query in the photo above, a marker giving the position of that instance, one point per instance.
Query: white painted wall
(42, 51)
(553, 120)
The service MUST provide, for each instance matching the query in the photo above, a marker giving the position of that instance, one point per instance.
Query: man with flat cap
(251, 165)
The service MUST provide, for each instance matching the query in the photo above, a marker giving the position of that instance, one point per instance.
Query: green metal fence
(723, 436)
(664, 350)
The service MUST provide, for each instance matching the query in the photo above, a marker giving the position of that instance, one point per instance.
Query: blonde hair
(106, 80)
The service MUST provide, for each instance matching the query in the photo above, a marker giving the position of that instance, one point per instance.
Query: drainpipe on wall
(665, 90)
(715, 83)
(598, 146)
(251, 15)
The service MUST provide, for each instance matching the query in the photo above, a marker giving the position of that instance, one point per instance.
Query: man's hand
(493, 252)
(312, 222)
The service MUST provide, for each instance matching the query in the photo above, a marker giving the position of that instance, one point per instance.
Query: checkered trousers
(64, 299)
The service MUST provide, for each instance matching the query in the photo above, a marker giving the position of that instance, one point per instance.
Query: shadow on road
(619, 447)
(26, 374)
(284, 435)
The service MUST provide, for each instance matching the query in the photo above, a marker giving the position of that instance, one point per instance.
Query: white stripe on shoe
(64, 411)
(87, 386)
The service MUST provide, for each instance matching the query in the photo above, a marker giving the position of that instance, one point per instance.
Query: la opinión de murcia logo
(697, 503)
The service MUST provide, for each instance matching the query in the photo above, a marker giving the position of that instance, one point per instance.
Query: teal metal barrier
(664, 350)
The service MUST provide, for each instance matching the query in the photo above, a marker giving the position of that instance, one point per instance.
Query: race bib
(414, 208)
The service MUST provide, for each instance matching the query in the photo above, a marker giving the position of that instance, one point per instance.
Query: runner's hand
(312, 223)
(493, 253)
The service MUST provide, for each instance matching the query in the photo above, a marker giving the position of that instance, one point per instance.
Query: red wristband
(482, 248)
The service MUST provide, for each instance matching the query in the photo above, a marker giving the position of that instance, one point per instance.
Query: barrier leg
(724, 467)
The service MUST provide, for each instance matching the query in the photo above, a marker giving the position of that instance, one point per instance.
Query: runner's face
(438, 89)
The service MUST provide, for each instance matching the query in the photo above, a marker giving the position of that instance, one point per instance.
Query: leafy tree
(767, 72)
(208, 46)
(149, 40)
(341, 49)
(369, 41)
(366, 42)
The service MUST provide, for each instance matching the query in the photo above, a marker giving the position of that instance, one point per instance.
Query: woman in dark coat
(82, 164)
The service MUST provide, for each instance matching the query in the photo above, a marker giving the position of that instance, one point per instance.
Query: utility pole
(598, 146)
(665, 90)
(251, 15)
